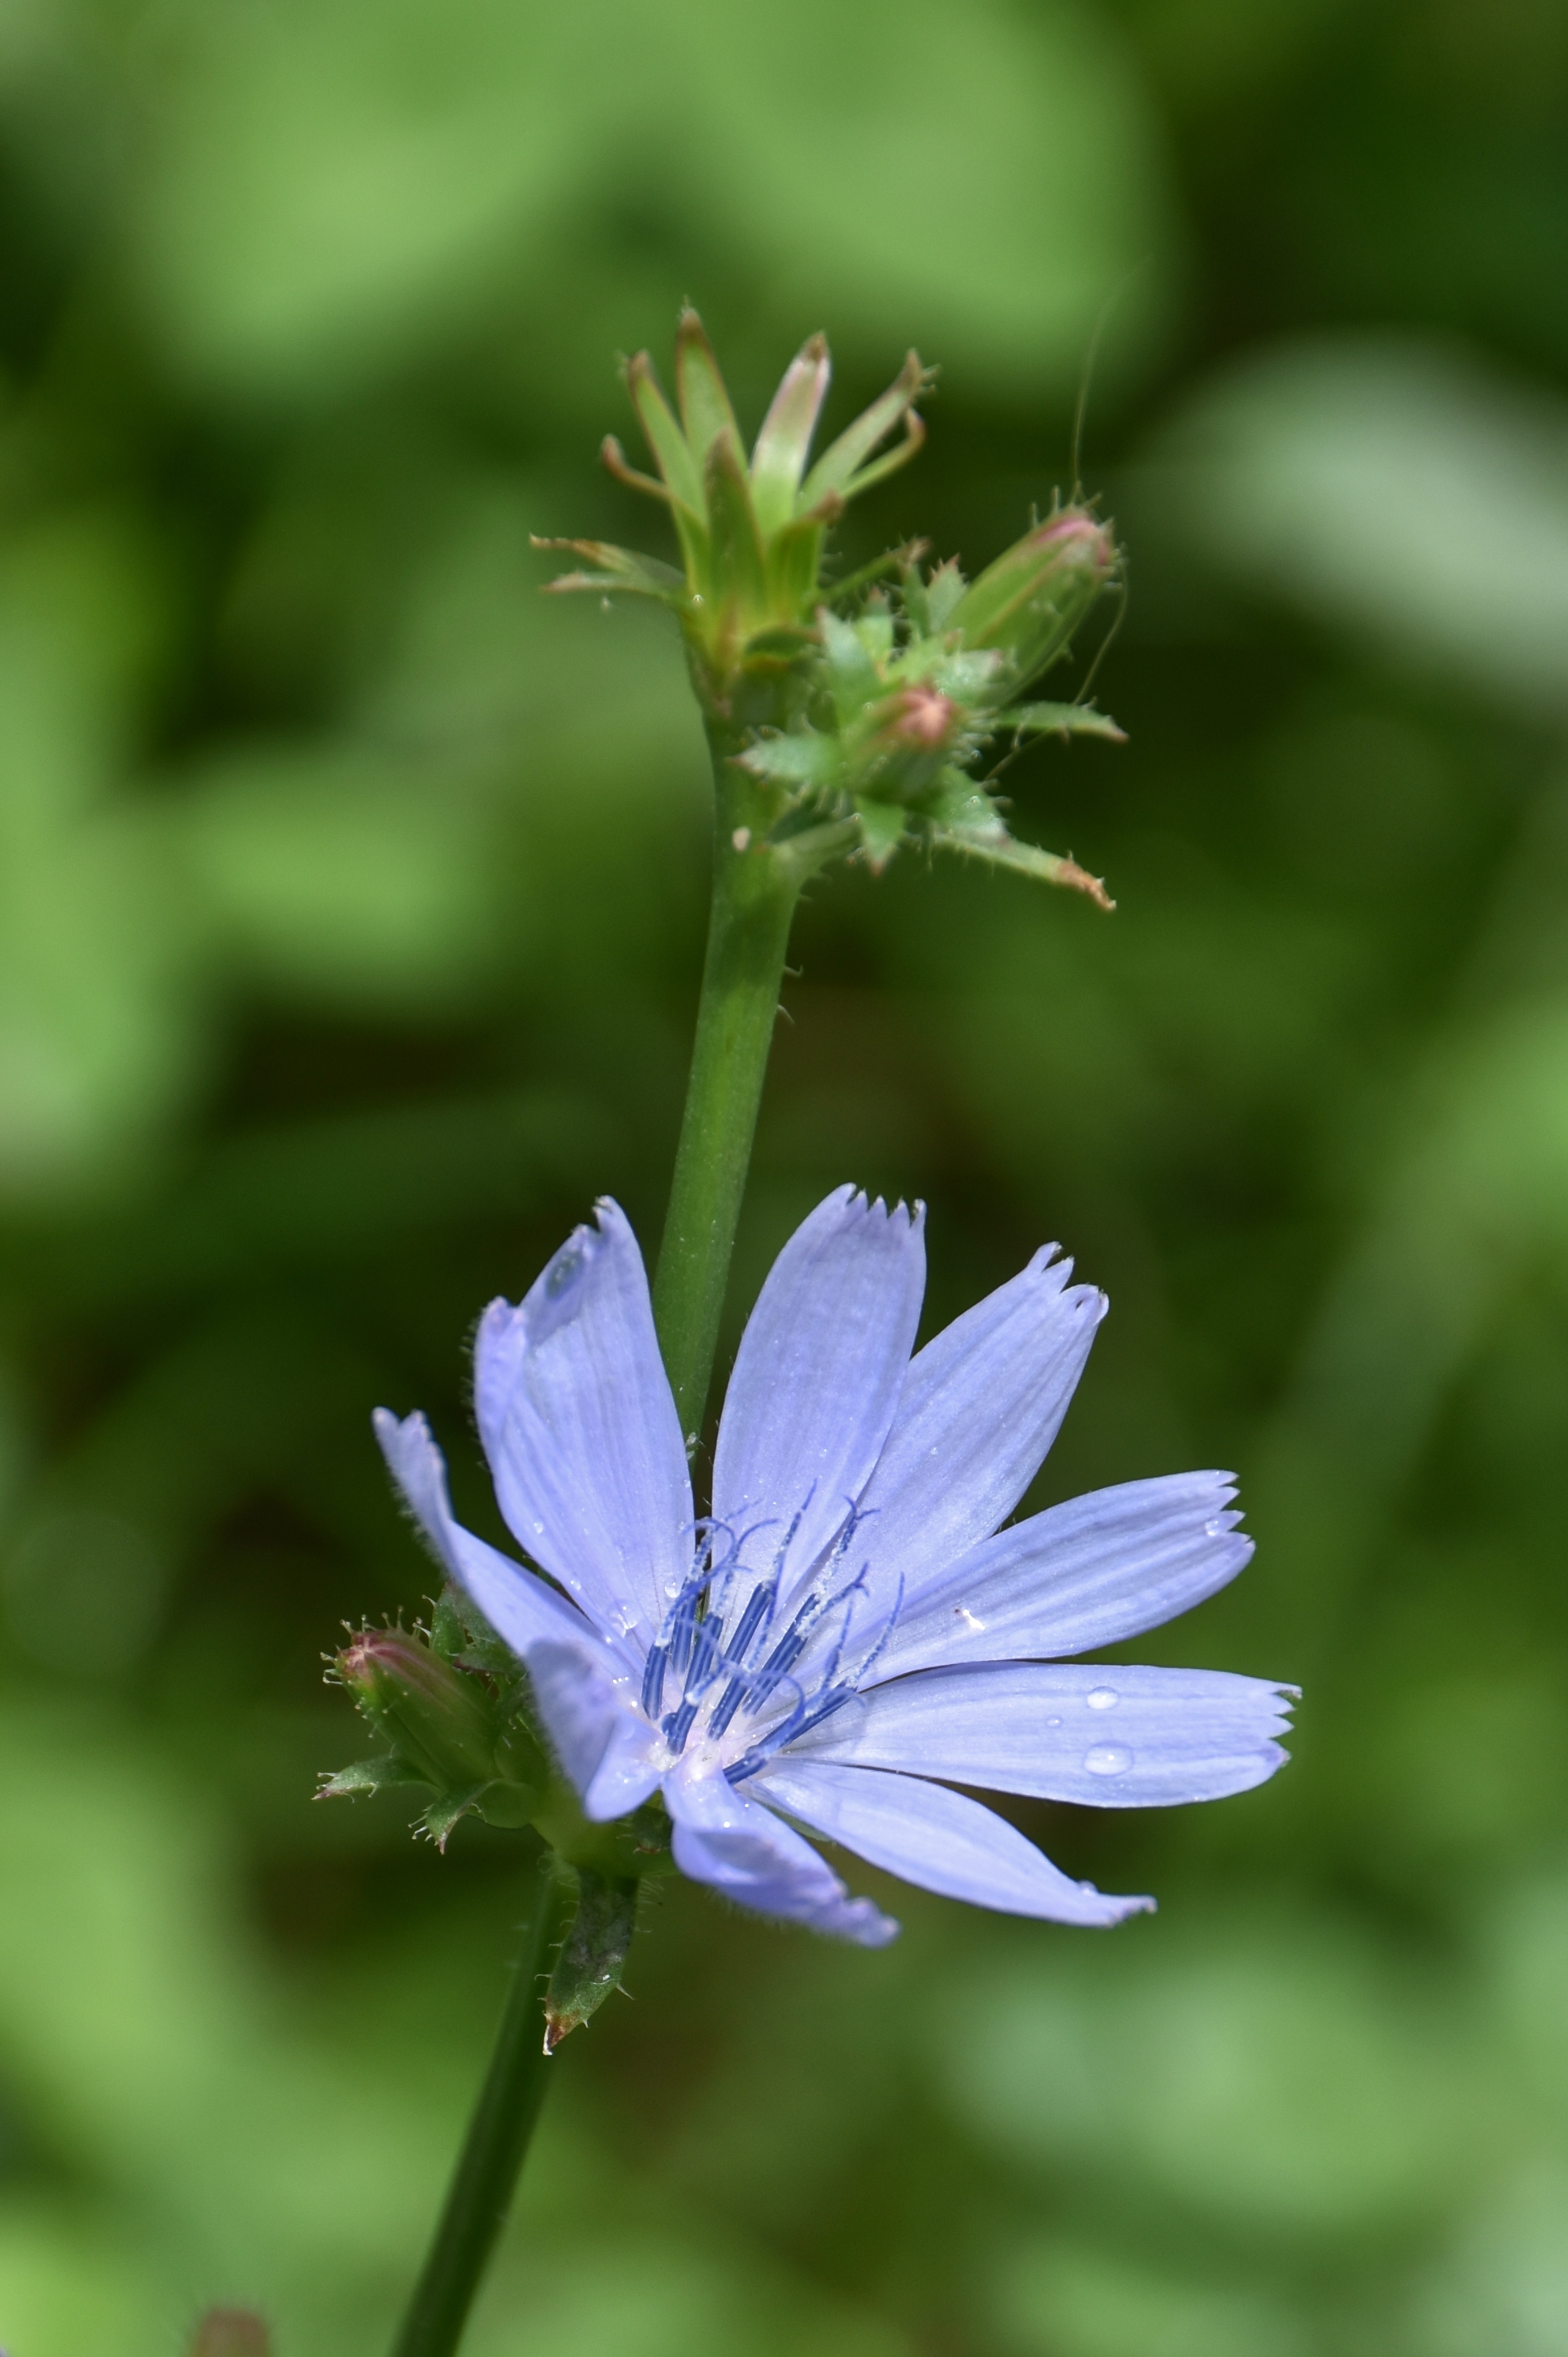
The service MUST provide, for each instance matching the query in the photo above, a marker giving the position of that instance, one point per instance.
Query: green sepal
(874, 628)
(778, 459)
(672, 451)
(707, 415)
(992, 843)
(943, 591)
(437, 1821)
(368, 1776)
(739, 573)
(903, 561)
(835, 476)
(852, 676)
(1060, 720)
(794, 556)
(592, 1953)
(883, 826)
(622, 569)
(806, 761)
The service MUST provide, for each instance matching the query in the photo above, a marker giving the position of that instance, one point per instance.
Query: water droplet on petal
(1053, 1722)
(1103, 1697)
(1108, 1760)
(562, 1270)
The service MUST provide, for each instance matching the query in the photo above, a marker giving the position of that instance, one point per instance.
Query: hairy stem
(483, 2182)
(755, 886)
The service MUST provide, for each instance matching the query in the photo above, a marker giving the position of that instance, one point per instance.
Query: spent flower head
(854, 1628)
(750, 530)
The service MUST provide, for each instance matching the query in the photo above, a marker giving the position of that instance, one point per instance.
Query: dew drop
(1108, 1760)
(1053, 1722)
(1103, 1697)
(564, 1268)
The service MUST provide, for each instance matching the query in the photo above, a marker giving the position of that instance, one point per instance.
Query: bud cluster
(902, 701)
(863, 710)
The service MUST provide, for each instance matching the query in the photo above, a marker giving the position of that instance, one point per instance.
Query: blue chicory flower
(851, 1632)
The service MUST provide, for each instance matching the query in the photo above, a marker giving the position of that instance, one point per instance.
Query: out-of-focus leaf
(1064, 2300)
(1284, 2085)
(1397, 491)
(97, 1038)
(334, 185)
(345, 876)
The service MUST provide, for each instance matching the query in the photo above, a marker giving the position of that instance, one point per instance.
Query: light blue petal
(579, 1425)
(818, 1374)
(1089, 1573)
(982, 1403)
(517, 1603)
(936, 1838)
(1109, 1737)
(749, 1855)
(603, 1741)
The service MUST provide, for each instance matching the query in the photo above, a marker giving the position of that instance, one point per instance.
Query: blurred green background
(351, 910)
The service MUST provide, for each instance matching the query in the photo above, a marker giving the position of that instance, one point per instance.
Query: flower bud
(921, 718)
(1028, 604)
(438, 1719)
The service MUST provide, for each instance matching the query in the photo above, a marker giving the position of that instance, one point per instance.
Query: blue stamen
(759, 1604)
(653, 1680)
(678, 1725)
(726, 1707)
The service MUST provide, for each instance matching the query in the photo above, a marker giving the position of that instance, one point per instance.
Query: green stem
(755, 886)
(482, 2184)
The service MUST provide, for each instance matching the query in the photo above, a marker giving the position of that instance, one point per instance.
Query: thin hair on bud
(1086, 377)
(1102, 649)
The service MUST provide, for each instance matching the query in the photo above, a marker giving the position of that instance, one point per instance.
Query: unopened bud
(902, 742)
(1028, 604)
(435, 1717)
(922, 718)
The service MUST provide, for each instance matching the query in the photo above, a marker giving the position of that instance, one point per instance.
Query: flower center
(734, 1673)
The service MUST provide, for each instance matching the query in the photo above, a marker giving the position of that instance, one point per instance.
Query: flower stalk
(498, 2137)
(756, 882)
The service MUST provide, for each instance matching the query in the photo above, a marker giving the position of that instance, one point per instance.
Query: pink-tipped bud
(922, 718)
(440, 1720)
(1028, 604)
